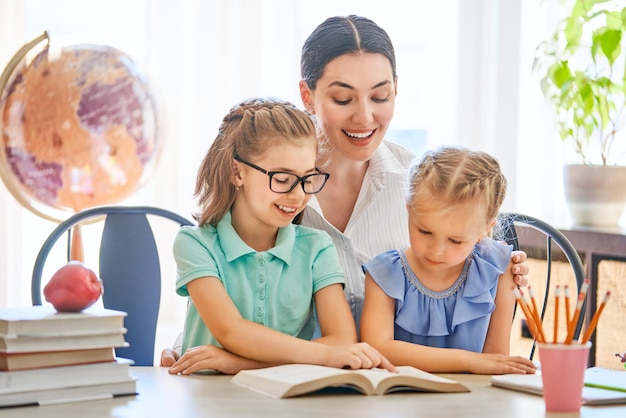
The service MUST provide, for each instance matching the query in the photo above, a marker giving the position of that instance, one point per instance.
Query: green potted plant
(583, 77)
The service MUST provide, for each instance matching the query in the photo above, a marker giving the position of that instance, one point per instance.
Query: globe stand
(76, 246)
(19, 56)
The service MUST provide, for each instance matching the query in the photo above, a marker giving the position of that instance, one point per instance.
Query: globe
(79, 127)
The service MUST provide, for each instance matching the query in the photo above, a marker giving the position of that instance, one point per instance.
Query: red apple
(73, 287)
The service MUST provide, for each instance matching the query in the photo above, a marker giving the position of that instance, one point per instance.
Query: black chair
(513, 225)
(129, 269)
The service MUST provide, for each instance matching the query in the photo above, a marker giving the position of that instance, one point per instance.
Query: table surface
(165, 395)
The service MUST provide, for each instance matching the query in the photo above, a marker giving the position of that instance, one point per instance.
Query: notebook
(595, 392)
(606, 379)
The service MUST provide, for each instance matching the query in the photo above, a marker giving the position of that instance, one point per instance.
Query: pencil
(566, 295)
(536, 314)
(596, 316)
(557, 296)
(530, 320)
(579, 306)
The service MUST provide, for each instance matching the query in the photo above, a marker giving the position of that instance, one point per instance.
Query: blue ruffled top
(457, 317)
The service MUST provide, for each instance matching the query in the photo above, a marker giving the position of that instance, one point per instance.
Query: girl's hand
(486, 363)
(212, 358)
(357, 356)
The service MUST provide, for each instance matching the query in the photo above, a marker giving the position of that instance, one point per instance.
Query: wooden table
(165, 395)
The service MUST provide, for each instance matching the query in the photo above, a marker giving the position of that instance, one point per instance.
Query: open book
(299, 379)
(602, 386)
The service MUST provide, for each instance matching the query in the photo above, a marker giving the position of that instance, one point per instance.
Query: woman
(349, 85)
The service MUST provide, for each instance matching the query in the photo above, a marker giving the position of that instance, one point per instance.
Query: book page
(411, 378)
(375, 375)
(293, 374)
(297, 379)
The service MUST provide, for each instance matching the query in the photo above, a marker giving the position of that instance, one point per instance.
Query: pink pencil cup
(563, 372)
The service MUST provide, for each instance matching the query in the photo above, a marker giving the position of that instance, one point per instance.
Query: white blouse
(379, 221)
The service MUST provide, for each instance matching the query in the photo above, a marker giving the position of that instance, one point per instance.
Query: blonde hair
(248, 130)
(448, 177)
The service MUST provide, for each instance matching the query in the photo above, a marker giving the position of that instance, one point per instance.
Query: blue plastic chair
(129, 269)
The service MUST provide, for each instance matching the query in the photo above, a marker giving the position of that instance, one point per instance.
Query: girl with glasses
(257, 281)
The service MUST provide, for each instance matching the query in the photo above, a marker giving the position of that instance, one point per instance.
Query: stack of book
(51, 357)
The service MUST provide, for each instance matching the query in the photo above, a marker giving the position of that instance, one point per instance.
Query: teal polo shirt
(274, 288)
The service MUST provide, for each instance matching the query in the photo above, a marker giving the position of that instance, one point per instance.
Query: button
(262, 296)
(261, 262)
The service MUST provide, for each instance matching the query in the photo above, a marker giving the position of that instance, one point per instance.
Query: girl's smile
(258, 211)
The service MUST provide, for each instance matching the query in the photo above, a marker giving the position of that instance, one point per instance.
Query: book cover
(124, 387)
(299, 379)
(24, 361)
(532, 383)
(45, 320)
(64, 376)
(30, 344)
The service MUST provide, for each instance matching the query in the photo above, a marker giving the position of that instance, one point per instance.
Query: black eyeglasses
(283, 182)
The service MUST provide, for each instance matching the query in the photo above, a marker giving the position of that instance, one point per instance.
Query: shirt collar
(384, 161)
(234, 247)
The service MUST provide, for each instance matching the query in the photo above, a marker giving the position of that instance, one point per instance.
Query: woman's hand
(169, 357)
(519, 269)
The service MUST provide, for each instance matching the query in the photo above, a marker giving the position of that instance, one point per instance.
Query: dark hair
(249, 129)
(341, 35)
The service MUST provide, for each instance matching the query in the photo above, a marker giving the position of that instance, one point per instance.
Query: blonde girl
(445, 303)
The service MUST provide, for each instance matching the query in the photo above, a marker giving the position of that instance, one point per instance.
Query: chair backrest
(129, 269)
(512, 226)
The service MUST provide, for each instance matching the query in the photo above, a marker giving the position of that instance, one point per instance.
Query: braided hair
(448, 177)
(249, 128)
